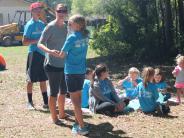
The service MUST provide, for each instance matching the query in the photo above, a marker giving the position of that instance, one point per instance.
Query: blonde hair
(147, 73)
(179, 58)
(80, 20)
(133, 70)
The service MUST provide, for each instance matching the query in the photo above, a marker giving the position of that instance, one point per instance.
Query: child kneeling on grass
(103, 97)
(148, 95)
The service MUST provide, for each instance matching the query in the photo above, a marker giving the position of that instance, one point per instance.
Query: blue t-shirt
(161, 85)
(129, 87)
(106, 89)
(148, 97)
(33, 30)
(85, 93)
(75, 48)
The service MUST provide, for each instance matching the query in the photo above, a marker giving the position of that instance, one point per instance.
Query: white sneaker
(30, 106)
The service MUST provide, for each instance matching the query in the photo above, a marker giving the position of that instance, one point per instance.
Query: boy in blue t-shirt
(86, 86)
(35, 70)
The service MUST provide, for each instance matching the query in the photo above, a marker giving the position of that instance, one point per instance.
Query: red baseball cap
(35, 5)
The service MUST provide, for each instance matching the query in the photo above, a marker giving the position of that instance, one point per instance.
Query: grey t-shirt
(53, 37)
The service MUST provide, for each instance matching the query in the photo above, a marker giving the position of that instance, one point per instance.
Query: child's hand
(120, 106)
(54, 53)
(134, 83)
(176, 71)
(120, 82)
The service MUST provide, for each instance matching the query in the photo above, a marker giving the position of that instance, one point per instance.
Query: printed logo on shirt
(130, 89)
(37, 31)
(146, 94)
(81, 43)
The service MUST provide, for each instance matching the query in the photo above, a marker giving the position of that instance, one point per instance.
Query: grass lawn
(17, 121)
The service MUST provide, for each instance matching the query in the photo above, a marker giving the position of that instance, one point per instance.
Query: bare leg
(29, 87)
(52, 107)
(43, 86)
(76, 100)
(178, 92)
(61, 106)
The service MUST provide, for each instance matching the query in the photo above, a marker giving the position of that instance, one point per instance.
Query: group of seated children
(152, 92)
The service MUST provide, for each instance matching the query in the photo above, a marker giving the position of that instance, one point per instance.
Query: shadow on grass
(105, 130)
(167, 116)
(69, 114)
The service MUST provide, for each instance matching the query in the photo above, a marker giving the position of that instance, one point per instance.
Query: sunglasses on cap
(61, 11)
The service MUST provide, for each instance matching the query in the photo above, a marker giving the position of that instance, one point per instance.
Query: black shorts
(35, 70)
(74, 82)
(56, 82)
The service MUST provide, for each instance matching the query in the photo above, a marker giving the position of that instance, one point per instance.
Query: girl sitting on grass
(130, 82)
(161, 85)
(103, 97)
(148, 95)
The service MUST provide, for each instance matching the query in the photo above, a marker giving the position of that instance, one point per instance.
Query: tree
(143, 29)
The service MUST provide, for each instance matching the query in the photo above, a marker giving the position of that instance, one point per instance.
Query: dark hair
(146, 74)
(100, 68)
(88, 70)
(79, 19)
(60, 5)
(159, 72)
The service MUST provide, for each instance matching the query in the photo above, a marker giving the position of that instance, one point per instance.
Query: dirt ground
(17, 121)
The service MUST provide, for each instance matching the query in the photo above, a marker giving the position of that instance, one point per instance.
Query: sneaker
(45, 106)
(75, 128)
(83, 131)
(30, 106)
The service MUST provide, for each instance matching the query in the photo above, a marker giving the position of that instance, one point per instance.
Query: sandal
(59, 122)
(65, 117)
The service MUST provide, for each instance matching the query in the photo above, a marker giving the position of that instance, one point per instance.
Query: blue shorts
(74, 82)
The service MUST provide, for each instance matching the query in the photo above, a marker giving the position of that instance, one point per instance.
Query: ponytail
(79, 19)
(93, 79)
(98, 71)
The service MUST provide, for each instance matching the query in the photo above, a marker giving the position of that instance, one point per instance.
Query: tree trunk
(169, 28)
(181, 24)
(181, 16)
(176, 22)
(163, 22)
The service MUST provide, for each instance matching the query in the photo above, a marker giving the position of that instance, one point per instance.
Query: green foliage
(131, 31)
(88, 7)
(107, 40)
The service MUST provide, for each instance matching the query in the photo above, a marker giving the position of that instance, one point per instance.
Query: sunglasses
(61, 11)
